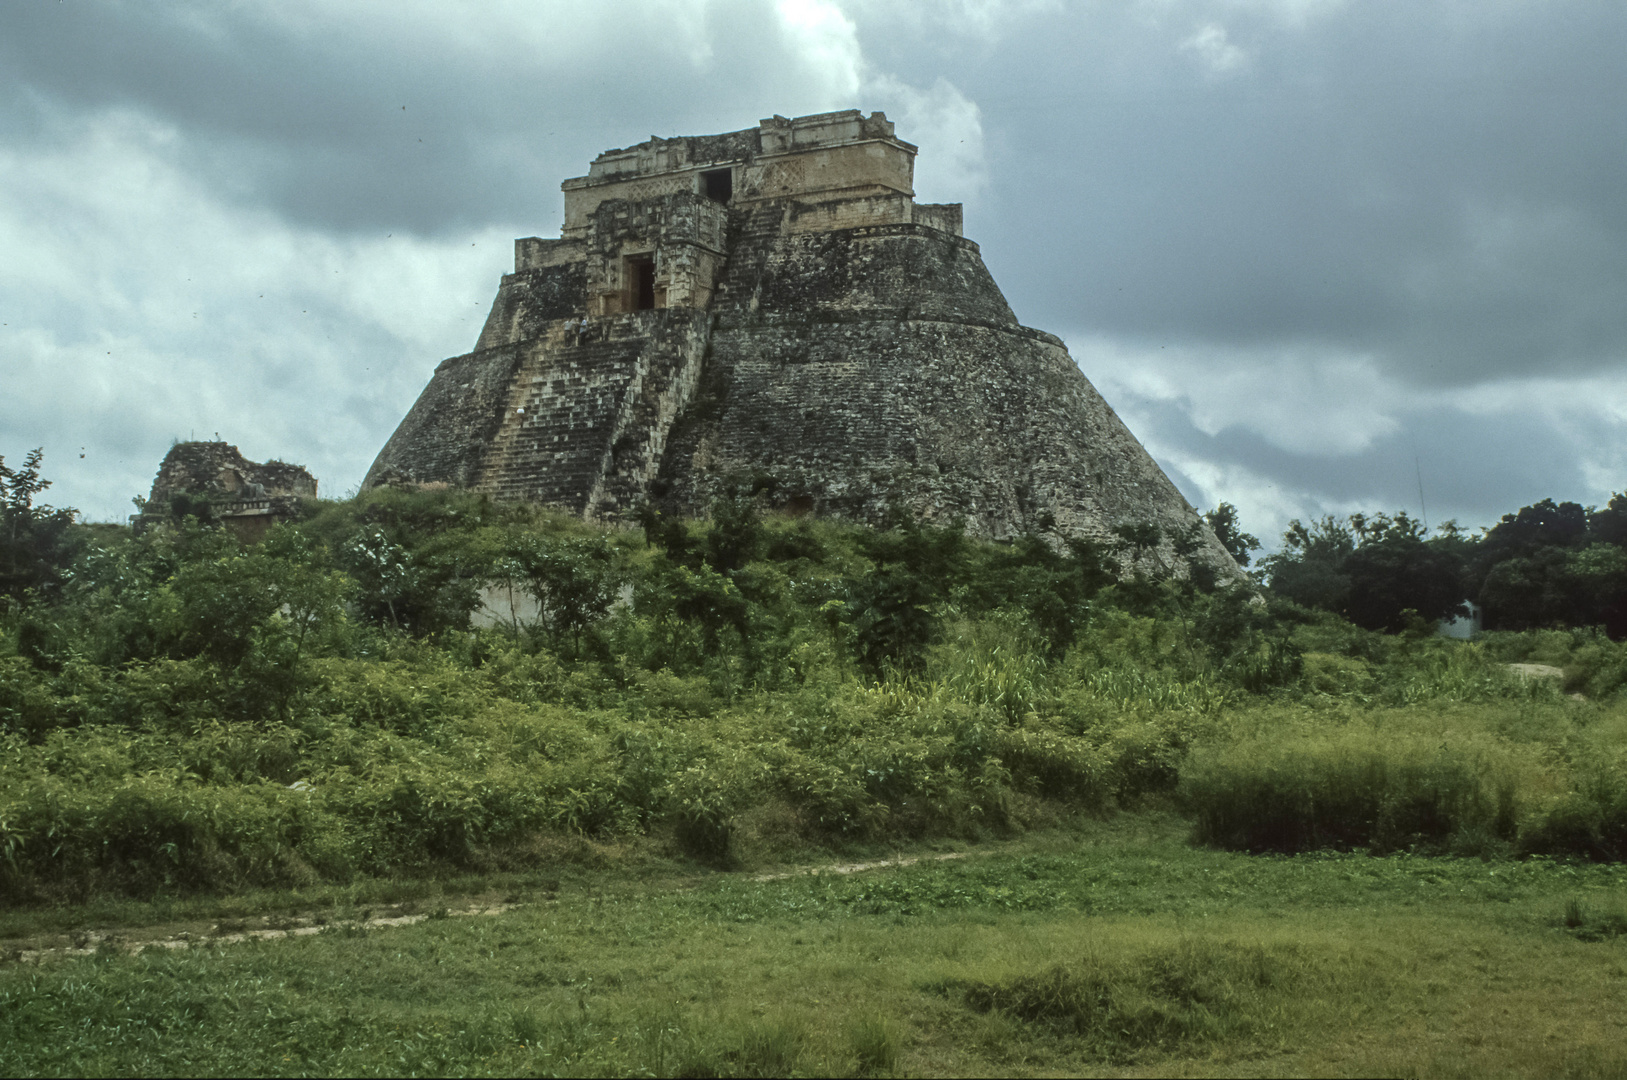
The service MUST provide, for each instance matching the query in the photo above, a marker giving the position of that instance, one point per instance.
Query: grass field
(1106, 948)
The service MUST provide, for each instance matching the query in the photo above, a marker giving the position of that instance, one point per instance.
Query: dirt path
(857, 867)
(274, 927)
(235, 931)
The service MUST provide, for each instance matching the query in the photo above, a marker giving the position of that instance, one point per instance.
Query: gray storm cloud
(1308, 249)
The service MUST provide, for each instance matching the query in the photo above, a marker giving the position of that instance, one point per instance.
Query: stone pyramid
(771, 310)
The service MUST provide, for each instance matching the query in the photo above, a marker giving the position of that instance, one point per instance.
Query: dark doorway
(718, 184)
(641, 282)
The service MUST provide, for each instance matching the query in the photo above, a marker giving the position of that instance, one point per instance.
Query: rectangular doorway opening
(640, 282)
(718, 184)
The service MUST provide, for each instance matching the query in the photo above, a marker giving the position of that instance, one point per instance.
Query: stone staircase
(586, 422)
(752, 235)
(664, 385)
(557, 425)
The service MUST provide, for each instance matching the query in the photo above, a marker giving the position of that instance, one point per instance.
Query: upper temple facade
(651, 221)
(770, 309)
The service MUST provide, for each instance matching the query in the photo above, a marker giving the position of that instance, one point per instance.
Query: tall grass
(1359, 787)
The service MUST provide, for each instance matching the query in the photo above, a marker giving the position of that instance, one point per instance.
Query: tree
(1228, 530)
(736, 535)
(1599, 572)
(1372, 570)
(1609, 526)
(1522, 573)
(421, 587)
(257, 613)
(1310, 568)
(573, 580)
(34, 548)
(1396, 569)
(1540, 525)
(893, 610)
(1529, 591)
(1054, 588)
(893, 620)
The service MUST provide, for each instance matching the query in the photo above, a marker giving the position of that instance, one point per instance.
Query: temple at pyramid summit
(771, 310)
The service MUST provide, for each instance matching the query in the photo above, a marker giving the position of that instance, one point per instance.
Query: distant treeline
(1551, 565)
(1548, 566)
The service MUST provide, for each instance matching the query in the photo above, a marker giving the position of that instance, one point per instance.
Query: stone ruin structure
(248, 497)
(771, 309)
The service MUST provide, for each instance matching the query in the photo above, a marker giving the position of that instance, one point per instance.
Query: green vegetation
(1175, 781)
(34, 540)
(1549, 565)
(187, 713)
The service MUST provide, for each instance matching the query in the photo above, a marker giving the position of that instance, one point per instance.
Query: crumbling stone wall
(446, 436)
(215, 478)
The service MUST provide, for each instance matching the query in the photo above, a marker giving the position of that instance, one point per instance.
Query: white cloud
(140, 307)
(551, 32)
(826, 44)
(1264, 392)
(1212, 48)
(946, 125)
(982, 21)
(1341, 423)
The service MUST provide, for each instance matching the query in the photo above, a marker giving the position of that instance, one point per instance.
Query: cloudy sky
(1313, 251)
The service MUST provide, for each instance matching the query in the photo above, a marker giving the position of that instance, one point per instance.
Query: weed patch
(1581, 921)
(1174, 999)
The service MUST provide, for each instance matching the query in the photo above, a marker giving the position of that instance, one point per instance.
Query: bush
(1356, 788)
(1590, 821)
(1338, 676)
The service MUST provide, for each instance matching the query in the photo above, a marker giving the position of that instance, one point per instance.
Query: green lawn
(1114, 948)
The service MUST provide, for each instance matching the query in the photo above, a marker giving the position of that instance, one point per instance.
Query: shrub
(1596, 667)
(28, 707)
(703, 799)
(893, 619)
(1352, 789)
(1339, 676)
(1590, 821)
(161, 831)
(1057, 766)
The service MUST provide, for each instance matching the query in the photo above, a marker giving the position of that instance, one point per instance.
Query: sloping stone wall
(528, 300)
(445, 437)
(869, 369)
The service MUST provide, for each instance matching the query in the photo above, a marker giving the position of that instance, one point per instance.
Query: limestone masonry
(771, 309)
(247, 496)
